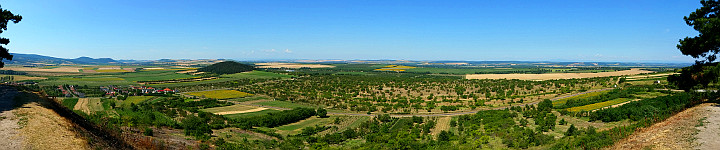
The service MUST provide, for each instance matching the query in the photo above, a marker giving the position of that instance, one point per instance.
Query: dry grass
(45, 129)
(186, 71)
(551, 76)
(291, 65)
(442, 124)
(234, 109)
(58, 69)
(675, 132)
(82, 105)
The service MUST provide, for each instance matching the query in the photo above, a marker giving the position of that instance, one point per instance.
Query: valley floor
(695, 128)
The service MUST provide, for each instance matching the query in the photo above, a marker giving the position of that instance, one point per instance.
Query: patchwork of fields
(291, 65)
(553, 76)
(367, 104)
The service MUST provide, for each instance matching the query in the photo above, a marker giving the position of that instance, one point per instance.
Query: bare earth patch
(551, 76)
(676, 132)
(291, 65)
(45, 129)
(709, 127)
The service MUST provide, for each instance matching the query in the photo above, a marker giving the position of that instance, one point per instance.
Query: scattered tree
(705, 46)
(5, 17)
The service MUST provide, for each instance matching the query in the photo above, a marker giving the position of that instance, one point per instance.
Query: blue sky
(609, 30)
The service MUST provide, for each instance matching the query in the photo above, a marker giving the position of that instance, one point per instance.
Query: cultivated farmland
(29, 69)
(291, 65)
(234, 109)
(554, 76)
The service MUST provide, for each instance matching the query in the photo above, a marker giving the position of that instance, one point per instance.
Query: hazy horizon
(601, 31)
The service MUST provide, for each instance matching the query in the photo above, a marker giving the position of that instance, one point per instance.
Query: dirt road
(708, 127)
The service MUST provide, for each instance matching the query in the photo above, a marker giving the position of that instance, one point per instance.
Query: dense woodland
(227, 67)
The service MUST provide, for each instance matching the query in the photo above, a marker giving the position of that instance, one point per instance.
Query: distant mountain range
(40, 59)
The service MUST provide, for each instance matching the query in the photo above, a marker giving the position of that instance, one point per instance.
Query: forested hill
(227, 67)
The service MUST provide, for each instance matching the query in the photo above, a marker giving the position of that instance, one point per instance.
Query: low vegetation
(220, 94)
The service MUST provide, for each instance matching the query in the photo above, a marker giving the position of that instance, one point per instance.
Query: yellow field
(220, 94)
(385, 69)
(598, 105)
(395, 68)
(399, 67)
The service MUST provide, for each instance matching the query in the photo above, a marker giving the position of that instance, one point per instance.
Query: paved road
(440, 114)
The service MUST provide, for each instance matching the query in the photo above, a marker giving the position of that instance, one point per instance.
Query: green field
(69, 102)
(356, 121)
(231, 134)
(154, 75)
(193, 82)
(351, 73)
(220, 94)
(285, 104)
(649, 94)
(112, 70)
(108, 108)
(598, 105)
(95, 105)
(249, 98)
(295, 128)
(135, 100)
(256, 75)
(257, 113)
(592, 94)
(89, 81)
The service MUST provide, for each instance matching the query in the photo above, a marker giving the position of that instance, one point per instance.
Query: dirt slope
(33, 126)
(681, 131)
(708, 127)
